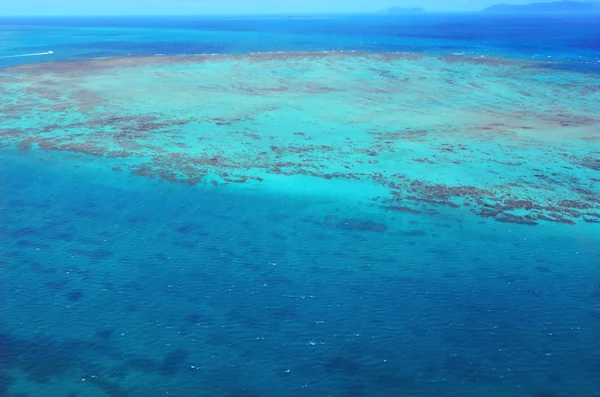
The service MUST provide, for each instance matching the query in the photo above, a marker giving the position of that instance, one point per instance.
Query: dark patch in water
(196, 318)
(173, 362)
(283, 312)
(184, 229)
(545, 393)
(105, 333)
(218, 338)
(393, 381)
(6, 382)
(240, 316)
(63, 236)
(414, 233)
(31, 244)
(185, 244)
(42, 359)
(161, 257)
(75, 296)
(23, 232)
(132, 308)
(354, 390)
(348, 224)
(142, 364)
(139, 219)
(111, 389)
(133, 286)
(341, 365)
(555, 378)
(35, 265)
(351, 224)
(467, 369)
(243, 392)
(94, 254)
(56, 284)
(450, 275)
(252, 266)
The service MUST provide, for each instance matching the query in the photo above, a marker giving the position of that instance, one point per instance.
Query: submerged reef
(509, 140)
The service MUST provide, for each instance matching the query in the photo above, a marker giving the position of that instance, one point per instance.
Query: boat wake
(27, 55)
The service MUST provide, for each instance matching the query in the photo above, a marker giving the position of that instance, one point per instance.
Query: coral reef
(526, 158)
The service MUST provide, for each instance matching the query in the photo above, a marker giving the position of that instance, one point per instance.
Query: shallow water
(299, 224)
(507, 138)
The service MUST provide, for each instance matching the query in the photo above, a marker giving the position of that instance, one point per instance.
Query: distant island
(400, 10)
(556, 6)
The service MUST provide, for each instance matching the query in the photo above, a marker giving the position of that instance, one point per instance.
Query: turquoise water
(506, 138)
(299, 224)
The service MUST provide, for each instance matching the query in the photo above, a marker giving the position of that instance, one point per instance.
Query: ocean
(328, 205)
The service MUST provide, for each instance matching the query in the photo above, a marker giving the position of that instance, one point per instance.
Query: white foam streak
(28, 55)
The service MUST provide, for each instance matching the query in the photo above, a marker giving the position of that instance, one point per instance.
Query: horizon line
(305, 14)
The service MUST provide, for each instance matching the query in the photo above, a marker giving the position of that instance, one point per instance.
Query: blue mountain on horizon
(556, 6)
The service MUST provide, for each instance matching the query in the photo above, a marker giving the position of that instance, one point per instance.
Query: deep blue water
(215, 292)
(574, 39)
(114, 285)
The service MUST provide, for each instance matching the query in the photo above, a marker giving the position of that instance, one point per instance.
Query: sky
(198, 7)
